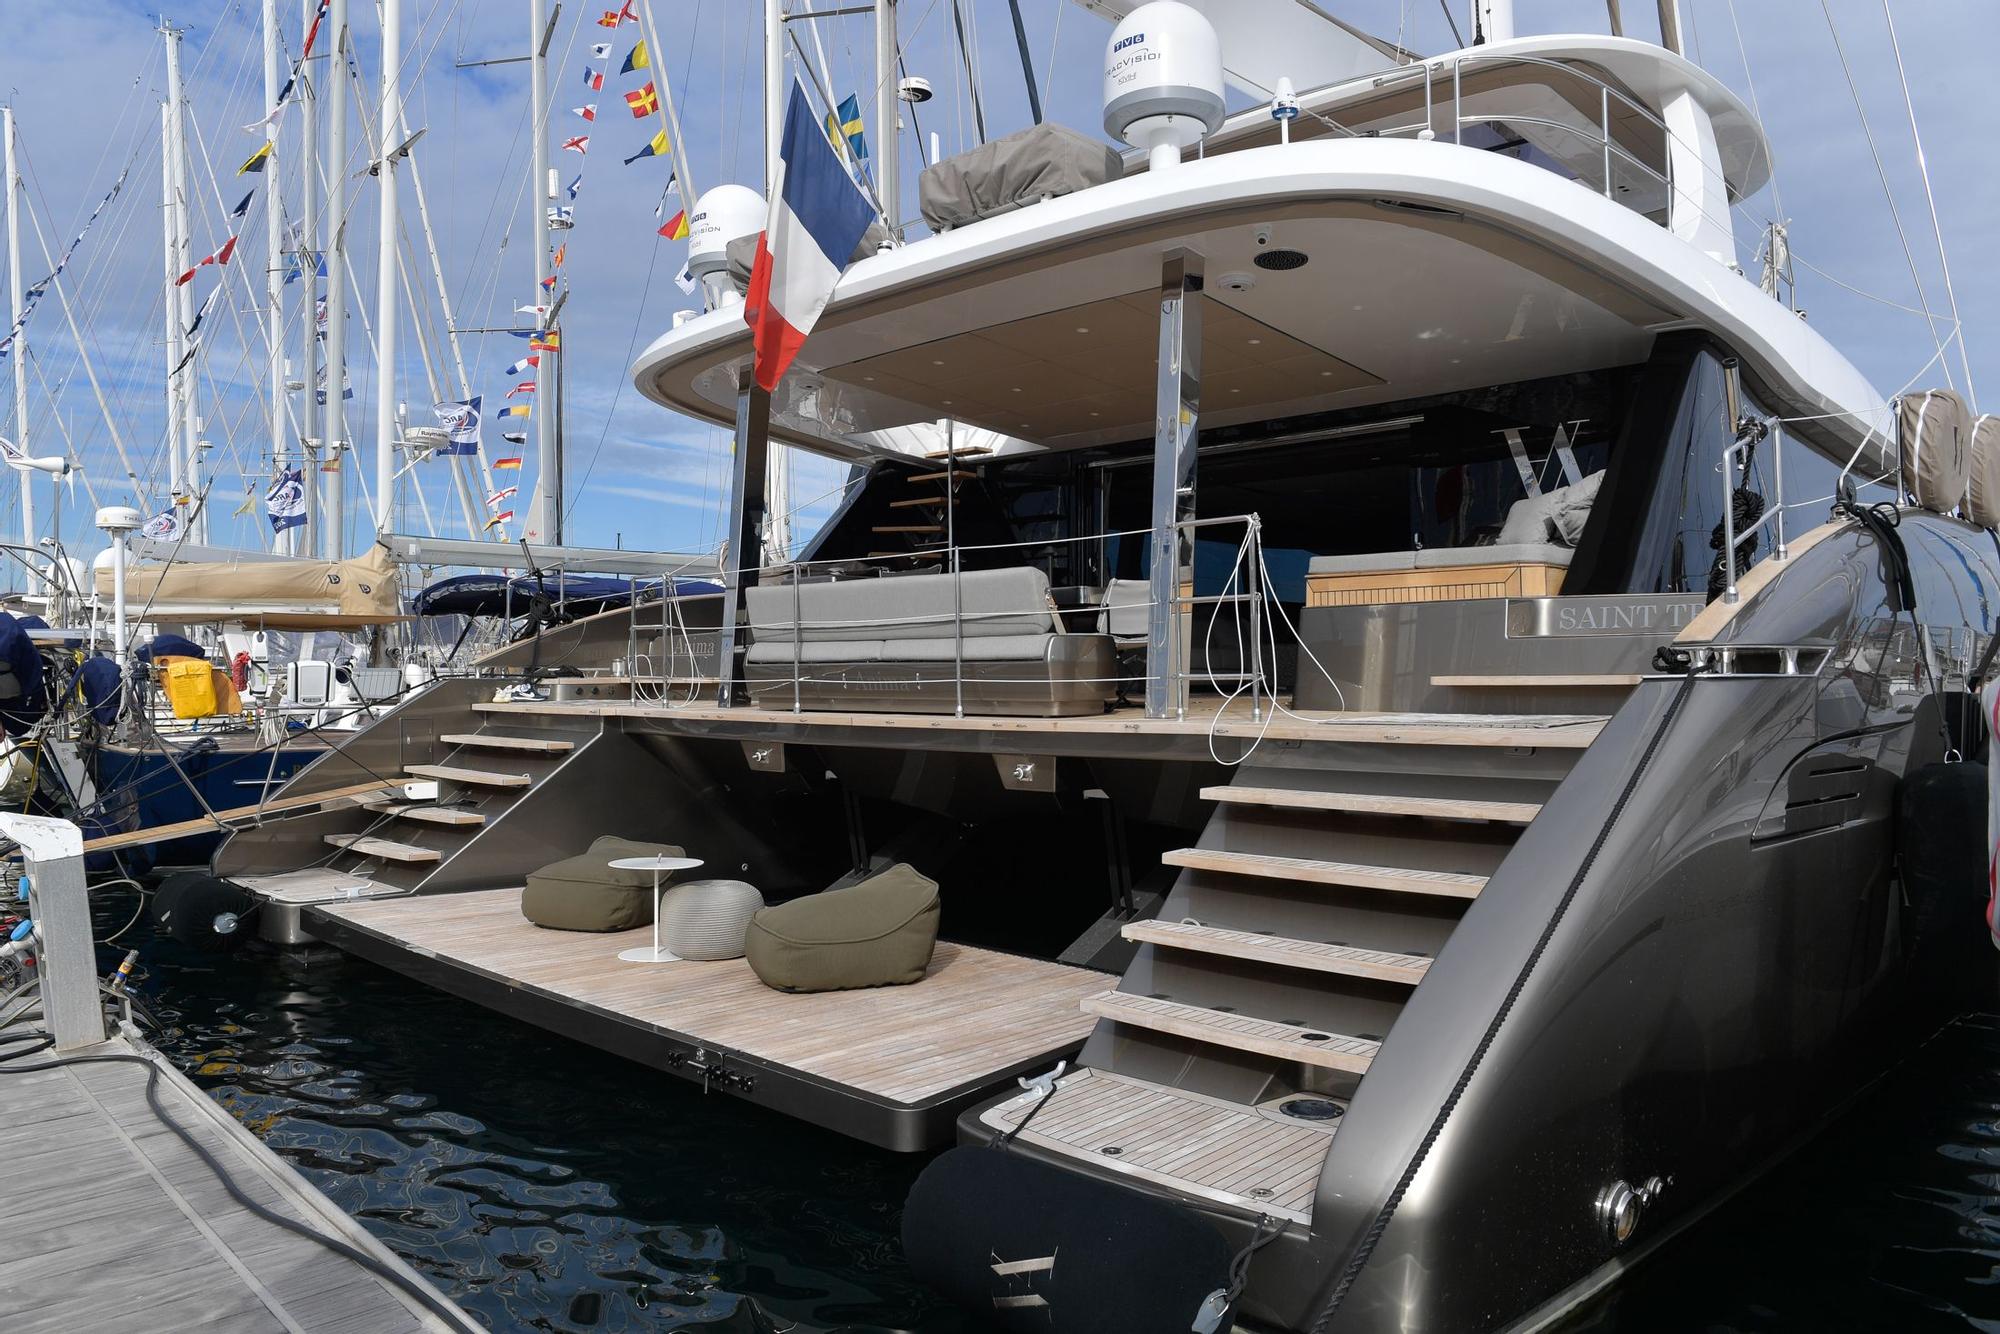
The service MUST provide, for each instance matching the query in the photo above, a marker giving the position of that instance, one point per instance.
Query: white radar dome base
(726, 213)
(1163, 81)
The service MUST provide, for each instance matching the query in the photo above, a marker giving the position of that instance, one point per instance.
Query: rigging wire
(1881, 172)
(1930, 198)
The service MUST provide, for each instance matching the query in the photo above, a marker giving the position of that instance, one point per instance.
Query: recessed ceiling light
(1324, 374)
(1082, 328)
(1016, 389)
(1255, 341)
(937, 363)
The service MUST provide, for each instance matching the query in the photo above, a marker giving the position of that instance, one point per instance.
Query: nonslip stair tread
(1239, 1032)
(1262, 947)
(1371, 803)
(962, 452)
(939, 476)
(1191, 1143)
(1399, 879)
(445, 815)
(448, 773)
(907, 528)
(922, 502)
(493, 741)
(370, 846)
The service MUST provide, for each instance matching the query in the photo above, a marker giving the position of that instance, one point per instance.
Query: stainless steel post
(1254, 580)
(1604, 126)
(1782, 551)
(957, 586)
(1176, 428)
(798, 634)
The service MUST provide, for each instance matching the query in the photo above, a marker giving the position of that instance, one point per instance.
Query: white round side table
(658, 866)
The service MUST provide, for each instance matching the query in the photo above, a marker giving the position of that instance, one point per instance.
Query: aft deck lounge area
(890, 1065)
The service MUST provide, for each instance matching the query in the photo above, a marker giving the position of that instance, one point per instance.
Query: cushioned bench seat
(1437, 574)
(887, 644)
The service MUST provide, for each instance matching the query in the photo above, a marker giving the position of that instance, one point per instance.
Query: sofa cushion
(1012, 601)
(1511, 553)
(877, 933)
(1370, 562)
(585, 893)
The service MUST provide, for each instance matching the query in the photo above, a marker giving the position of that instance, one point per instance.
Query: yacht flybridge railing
(1447, 75)
(1099, 609)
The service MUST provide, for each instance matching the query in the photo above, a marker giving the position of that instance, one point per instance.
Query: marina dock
(116, 1223)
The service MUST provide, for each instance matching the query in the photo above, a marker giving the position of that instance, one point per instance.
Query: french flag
(818, 217)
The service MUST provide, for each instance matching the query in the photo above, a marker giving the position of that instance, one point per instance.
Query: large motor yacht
(1401, 656)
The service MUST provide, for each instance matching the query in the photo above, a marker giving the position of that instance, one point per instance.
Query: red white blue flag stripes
(818, 216)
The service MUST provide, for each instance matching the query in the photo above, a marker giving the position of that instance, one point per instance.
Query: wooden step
(370, 846)
(445, 773)
(448, 815)
(1261, 947)
(1239, 1032)
(962, 452)
(1370, 803)
(944, 476)
(907, 528)
(1305, 870)
(916, 501)
(1552, 681)
(492, 741)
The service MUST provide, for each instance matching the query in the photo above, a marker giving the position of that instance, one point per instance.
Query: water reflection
(548, 1187)
(543, 1185)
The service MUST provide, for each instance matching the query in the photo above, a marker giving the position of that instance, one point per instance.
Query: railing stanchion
(1778, 485)
(1604, 127)
(1254, 581)
(798, 634)
(1457, 102)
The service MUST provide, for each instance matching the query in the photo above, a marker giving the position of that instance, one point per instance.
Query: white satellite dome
(724, 214)
(1163, 80)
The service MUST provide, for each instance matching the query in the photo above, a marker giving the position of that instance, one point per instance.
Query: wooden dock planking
(977, 1012)
(1194, 1144)
(116, 1225)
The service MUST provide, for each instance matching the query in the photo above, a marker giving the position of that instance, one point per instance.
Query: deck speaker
(1027, 1246)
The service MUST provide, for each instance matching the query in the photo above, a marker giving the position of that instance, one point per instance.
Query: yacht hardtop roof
(1427, 268)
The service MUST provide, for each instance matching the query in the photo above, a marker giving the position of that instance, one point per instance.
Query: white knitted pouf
(706, 919)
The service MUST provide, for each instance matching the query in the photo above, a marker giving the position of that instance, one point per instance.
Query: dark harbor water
(547, 1187)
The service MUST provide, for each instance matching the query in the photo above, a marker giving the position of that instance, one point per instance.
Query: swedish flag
(847, 122)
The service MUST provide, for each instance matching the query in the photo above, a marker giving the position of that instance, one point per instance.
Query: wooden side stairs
(1300, 923)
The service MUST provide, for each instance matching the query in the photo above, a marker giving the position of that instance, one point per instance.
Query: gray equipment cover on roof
(1024, 168)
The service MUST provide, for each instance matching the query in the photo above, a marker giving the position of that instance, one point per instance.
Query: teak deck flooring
(114, 1225)
(1561, 731)
(1198, 1145)
(978, 1012)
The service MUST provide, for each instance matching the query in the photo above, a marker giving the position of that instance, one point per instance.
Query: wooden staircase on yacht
(1302, 920)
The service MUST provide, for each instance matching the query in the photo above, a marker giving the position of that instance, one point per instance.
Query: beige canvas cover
(279, 593)
(1023, 168)
(1936, 437)
(1982, 494)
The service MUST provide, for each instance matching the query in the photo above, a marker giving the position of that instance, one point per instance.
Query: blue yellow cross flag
(846, 122)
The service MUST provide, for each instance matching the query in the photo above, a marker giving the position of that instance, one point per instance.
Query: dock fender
(204, 911)
(1027, 1246)
(1941, 847)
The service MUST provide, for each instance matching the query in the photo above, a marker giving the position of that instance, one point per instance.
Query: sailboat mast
(333, 434)
(182, 304)
(16, 295)
(389, 127)
(169, 307)
(888, 159)
(274, 256)
(547, 521)
(305, 538)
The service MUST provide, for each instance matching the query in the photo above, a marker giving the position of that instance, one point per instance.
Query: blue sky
(85, 82)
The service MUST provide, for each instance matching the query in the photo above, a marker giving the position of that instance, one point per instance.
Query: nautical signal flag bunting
(654, 148)
(643, 101)
(818, 217)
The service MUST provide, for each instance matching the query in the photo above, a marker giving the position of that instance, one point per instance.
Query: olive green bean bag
(585, 893)
(878, 933)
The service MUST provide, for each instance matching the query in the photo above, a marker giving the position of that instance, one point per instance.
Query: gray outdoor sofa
(886, 644)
